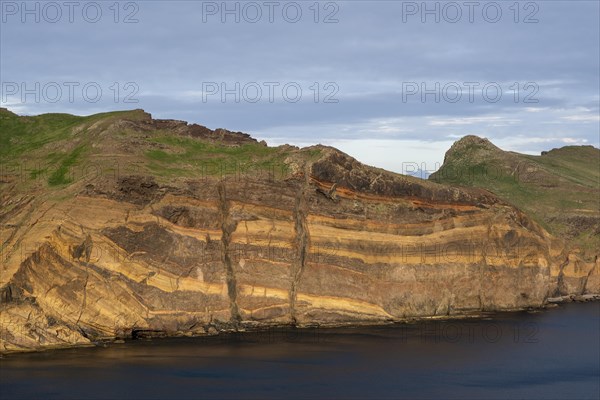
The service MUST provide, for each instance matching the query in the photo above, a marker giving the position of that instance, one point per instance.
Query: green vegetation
(58, 176)
(19, 135)
(560, 189)
(58, 149)
(23, 135)
(187, 157)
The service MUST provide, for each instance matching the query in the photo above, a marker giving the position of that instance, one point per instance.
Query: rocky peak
(471, 146)
(6, 111)
(141, 120)
(159, 244)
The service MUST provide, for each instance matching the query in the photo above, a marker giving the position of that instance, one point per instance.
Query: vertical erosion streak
(561, 288)
(228, 226)
(587, 277)
(301, 242)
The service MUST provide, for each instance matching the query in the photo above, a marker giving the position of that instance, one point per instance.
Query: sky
(392, 83)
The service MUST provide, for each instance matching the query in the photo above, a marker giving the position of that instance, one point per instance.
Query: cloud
(369, 54)
(474, 120)
(583, 118)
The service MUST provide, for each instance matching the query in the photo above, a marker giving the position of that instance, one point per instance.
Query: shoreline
(581, 298)
(257, 327)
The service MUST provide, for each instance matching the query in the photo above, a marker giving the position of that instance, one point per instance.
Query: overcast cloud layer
(369, 60)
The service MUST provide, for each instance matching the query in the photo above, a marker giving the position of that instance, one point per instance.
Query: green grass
(550, 188)
(188, 156)
(33, 146)
(577, 164)
(19, 135)
(58, 177)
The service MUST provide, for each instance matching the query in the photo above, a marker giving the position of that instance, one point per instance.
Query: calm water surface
(553, 354)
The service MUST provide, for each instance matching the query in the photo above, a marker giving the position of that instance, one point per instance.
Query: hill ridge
(560, 188)
(118, 225)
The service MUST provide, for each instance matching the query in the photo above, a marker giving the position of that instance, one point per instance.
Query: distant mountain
(420, 173)
(560, 188)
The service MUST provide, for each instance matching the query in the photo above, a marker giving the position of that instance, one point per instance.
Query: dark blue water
(554, 354)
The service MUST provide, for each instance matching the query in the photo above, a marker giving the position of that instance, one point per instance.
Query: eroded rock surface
(331, 241)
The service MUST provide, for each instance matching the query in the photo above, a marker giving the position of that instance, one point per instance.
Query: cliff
(118, 225)
(560, 189)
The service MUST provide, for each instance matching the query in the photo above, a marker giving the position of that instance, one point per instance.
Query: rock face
(560, 189)
(328, 241)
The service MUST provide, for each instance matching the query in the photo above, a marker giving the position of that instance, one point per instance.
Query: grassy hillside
(560, 188)
(55, 150)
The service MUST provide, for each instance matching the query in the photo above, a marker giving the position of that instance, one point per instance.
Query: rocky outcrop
(144, 122)
(329, 242)
(559, 189)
